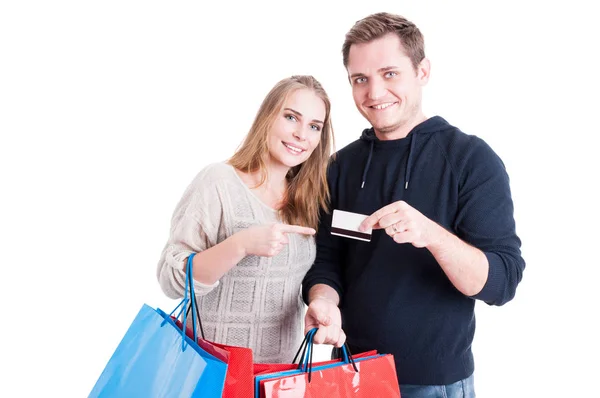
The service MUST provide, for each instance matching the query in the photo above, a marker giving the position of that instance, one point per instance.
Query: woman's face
(297, 130)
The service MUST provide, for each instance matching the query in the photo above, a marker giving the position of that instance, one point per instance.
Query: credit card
(345, 223)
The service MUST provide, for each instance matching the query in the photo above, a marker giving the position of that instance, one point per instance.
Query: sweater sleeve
(485, 220)
(327, 266)
(194, 227)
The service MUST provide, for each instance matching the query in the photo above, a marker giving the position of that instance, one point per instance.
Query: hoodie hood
(429, 126)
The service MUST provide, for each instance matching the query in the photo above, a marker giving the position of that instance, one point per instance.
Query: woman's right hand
(268, 240)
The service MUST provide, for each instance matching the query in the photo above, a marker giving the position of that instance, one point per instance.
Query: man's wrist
(325, 292)
(437, 234)
(323, 298)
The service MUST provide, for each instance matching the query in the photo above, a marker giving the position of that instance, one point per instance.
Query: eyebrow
(299, 114)
(380, 70)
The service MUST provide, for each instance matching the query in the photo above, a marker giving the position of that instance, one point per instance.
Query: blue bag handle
(194, 303)
(304, 347)
(307, 349)
(189, 296)
(183, 305)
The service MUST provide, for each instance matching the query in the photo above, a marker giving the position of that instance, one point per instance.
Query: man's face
(385, 86)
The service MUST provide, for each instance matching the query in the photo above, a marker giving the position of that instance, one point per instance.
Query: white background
(108, 109)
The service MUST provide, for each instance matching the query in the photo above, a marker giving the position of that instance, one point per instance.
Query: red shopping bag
(366, 375)
(239, 379)
(375, 378)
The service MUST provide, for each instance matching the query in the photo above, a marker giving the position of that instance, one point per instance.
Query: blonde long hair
(307, 192)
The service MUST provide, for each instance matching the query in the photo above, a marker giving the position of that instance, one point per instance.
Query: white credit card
(345, 223)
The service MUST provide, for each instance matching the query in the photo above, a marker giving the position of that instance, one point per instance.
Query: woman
(251, 221)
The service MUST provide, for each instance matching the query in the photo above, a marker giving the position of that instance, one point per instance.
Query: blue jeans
(461, 389)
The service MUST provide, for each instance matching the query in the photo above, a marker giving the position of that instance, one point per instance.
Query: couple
(439, 206)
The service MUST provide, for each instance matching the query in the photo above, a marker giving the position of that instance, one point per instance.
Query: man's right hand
(324, 314)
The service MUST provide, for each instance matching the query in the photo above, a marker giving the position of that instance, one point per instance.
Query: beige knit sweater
(257, 304)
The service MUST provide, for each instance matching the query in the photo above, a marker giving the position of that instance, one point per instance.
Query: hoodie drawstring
(413, 139)
(364, 176)
(429, 126)
(409, 162)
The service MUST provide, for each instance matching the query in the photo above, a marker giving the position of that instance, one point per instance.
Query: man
(441, 214)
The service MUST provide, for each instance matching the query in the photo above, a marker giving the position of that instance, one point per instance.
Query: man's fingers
(333, 334)
(311, 320)
(329, 335)
(403, 237)
(297, 229)
(372, 221)
(310, 324)
(318, 317)
(341, 339)
(390, 219)
(396, 227)
(321, 335)
(323, 319)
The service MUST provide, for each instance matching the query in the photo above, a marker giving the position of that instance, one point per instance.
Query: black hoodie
(395, 298)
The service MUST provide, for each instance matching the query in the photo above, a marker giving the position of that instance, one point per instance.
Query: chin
(387, 129)
(287, 162)
(294, 164)
(387, 125)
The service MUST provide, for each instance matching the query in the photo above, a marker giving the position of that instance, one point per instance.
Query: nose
(300, 133)
(376, 89)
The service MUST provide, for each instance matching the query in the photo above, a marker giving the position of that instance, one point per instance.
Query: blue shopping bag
(156, 359)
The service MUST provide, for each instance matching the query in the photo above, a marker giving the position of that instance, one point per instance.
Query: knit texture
(257, 303)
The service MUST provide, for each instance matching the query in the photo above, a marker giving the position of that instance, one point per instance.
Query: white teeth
(293, 148)
(383, 106)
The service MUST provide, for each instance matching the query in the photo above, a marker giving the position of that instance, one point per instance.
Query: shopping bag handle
(307, 348)
(193, 308)
(183, 304)
(303, 347)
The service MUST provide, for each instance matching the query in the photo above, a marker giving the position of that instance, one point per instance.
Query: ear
(423, 71)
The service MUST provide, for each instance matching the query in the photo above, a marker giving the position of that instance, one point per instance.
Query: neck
(402, 130)
(275, 182)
